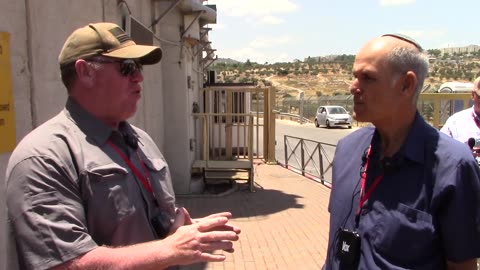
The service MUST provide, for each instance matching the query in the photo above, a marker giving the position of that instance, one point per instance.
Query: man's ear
(409, 83)
(85, 72)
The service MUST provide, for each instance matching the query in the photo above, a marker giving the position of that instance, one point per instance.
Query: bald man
(404, 196)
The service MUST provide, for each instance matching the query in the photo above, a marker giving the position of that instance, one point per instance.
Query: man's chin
(130, 113)
(359, 118)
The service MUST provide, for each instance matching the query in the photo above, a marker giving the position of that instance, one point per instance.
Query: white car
(331, 116)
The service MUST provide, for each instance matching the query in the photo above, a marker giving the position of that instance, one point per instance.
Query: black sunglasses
(127, 66)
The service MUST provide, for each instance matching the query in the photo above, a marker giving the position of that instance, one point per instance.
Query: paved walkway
(284, 223)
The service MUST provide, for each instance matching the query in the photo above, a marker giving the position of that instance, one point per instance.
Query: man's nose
(354, 89)
(137, 76)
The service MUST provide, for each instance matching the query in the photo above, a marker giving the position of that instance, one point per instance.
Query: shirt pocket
(111, 197)
(161, 183)
(404, 233)
(155, 164)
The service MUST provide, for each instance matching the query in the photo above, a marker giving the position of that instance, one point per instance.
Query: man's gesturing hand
(196, 242)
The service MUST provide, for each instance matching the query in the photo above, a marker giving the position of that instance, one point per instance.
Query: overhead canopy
(208, 12)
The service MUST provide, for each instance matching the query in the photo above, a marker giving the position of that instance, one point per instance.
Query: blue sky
(283, 30)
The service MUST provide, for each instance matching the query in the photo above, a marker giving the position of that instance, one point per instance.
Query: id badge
(348, 249)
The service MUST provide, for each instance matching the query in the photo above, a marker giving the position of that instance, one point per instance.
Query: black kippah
(405, 38)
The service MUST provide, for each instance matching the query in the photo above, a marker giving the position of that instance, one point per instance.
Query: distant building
(466, 49)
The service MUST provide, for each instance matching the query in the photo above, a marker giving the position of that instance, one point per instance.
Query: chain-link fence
(307, 107)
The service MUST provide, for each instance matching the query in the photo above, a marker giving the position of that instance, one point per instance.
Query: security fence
(434, 107)
(307, 107)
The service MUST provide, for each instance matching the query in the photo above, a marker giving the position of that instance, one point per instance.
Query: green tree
(434, 52)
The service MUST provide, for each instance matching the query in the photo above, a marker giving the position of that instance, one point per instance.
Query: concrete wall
(12, 20)
(38, 29)
(175, 90)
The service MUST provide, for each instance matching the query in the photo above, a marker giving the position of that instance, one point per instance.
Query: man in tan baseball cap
(88, 190)
(106, 39)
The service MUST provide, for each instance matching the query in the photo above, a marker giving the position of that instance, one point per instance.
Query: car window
(337, 110)
(332, 110)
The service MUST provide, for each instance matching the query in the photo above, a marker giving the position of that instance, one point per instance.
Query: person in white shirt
(465, 124)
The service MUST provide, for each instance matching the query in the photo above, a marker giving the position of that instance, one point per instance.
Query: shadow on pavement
(241, 203)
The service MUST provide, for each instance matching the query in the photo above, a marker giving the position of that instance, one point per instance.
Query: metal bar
(270, 94)
(240, 125)
(197, 15)
(285, 147)
(205, 32)
(436, 113)
(311, 159)
(207, 139)
(228, 125)
(165, 13)
(202, 47)
(322, 155)
(213, 60)
(257, 118)
(250, 154)
(293, 152)
(320, 158)
(302, 157)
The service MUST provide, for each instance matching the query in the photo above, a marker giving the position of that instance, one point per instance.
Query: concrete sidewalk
(284, 223)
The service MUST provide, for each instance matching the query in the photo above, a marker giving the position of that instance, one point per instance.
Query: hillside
(331, 76)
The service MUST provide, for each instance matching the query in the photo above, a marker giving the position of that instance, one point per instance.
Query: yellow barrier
(437, 107)
(7, 114)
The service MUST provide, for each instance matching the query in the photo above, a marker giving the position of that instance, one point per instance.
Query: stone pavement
(284, 223)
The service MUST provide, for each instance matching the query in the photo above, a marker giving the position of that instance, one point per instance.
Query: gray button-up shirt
(69, 191)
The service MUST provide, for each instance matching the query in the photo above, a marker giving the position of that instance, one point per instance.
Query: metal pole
(302, 156)
(285, 147)
(320, 158)
(300, 111)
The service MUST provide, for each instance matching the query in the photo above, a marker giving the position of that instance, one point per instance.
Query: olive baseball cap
(106, 39)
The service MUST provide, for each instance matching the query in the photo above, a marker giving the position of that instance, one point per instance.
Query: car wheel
(328, 124)
(349, 126)
(316, 123)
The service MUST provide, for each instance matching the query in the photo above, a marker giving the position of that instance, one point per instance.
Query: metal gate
(237, 126)
(231, 113)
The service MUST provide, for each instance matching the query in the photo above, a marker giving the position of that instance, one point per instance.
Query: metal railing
(292, 116)
(224, 138)
(288, 116)
(309, 158)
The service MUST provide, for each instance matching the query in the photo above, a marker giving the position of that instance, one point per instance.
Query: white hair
(404, 59)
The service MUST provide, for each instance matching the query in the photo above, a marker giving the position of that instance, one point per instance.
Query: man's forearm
(151, 255)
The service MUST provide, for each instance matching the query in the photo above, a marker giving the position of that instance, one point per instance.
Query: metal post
(269, 97)
(300, 110)
(302, 156)
(320, 158)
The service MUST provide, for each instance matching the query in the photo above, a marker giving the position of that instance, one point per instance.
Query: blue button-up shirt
(424, 211)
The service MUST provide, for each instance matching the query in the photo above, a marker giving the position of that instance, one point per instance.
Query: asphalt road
(328, 138)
